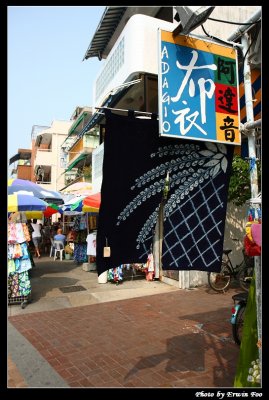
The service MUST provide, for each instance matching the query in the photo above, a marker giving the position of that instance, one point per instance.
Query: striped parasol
(91, 203)
(24, 186)
(25, 202)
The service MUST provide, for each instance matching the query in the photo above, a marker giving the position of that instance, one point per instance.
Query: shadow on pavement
(49, 274)
(188, 353)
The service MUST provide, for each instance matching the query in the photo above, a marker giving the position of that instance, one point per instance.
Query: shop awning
(109, 22)
(74, 163)
(109, 102)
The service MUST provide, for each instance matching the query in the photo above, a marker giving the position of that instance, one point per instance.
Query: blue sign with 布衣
(197, 91)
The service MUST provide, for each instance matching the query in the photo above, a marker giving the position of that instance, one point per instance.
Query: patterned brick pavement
(178, 339)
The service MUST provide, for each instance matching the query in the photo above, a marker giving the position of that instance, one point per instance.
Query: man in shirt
(60, 236)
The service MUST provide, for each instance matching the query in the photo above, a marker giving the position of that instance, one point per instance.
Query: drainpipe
(253, 174)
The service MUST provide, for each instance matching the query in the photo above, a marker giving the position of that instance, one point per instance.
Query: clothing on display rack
(91, 244)
(92, 222)
(19, 264)
(252, 238)
(80, 244)
(115, 274)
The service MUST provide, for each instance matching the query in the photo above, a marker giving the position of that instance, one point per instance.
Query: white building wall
(227, 13)
(141, 43)
(59, 131)
(141, 55)
(140, 51)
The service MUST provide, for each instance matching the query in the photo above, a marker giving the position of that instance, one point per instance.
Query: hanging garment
(13, 285)
(115, 274)
(83, 222)
(10, 251)
(17, 251)
(136, 165)
(91, 244)
(11, 266)
(26, 232)
(23, 265)
(12, 236)
(194, 214)
(131, 190)
(76, 226)
(20, 233)
(24, 284)
(92, 222)
(80, 252)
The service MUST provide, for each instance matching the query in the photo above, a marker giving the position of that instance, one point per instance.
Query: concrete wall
(228, 13)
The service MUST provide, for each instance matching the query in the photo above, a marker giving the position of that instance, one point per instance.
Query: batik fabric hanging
(137, 165)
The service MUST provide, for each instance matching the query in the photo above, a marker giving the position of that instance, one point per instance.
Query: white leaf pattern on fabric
(222, 148)
(218, 156)
(216, 170)
(206, 153)
(186, 175)
(211, 146)
(211, 163)
(224, 164)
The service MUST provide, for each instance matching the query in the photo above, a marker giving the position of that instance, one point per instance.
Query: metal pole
(253, 176)
(252, 125)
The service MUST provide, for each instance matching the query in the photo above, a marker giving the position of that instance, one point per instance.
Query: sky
(47, 78)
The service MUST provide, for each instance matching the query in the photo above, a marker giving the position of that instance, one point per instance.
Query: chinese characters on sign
(198, 90)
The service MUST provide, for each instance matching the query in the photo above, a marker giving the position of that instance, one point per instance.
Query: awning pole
(125, 110)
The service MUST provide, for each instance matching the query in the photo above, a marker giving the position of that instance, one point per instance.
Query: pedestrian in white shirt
(36, 236)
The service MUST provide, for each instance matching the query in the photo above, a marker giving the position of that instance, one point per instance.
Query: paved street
(159, 336)
(136, 334)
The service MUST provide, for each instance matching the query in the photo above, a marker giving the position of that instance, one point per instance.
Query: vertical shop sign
(198, 90)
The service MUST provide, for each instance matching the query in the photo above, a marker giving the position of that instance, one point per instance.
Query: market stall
(20, 260)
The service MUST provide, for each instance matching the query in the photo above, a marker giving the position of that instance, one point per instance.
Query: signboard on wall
(198, 89)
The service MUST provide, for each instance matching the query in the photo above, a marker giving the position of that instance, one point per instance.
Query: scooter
(237, 318)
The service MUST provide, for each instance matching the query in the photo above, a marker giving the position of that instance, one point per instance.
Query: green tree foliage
(87, 171)
(239, 187)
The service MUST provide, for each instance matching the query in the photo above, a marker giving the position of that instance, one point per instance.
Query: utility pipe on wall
(253, 174)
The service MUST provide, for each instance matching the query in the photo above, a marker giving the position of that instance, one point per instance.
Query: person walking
(36, 236)
(45, 232)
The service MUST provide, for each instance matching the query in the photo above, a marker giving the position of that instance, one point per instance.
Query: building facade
(47, 163)
(76, 150)
(127, 39)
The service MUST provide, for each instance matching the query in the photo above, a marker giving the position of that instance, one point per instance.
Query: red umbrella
(92, 203)
(52, 209)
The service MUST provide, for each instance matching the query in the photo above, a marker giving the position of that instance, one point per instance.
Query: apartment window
(111, 69)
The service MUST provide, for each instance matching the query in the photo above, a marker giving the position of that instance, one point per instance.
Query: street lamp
(191, 18)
